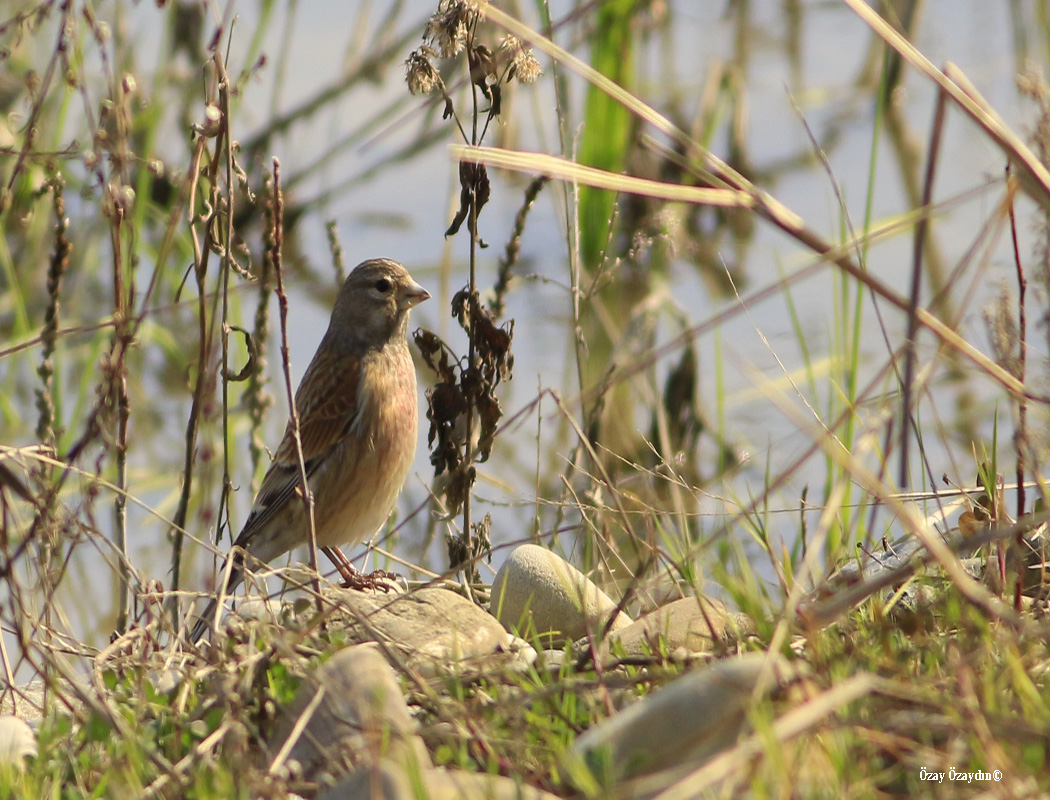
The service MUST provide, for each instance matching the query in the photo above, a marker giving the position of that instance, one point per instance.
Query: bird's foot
(379, 580)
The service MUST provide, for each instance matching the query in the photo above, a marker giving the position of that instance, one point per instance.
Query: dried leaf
(474, 190)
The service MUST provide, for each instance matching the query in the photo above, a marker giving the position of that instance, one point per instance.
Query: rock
(739, 626)
(453, 785)
(254, 610)
(390, 782)
(27, 701)
(359, 717)
(684, 724)
(17, 742)
(692, 625)
(434, 630)
(262, 609)
(551, 661)
(165, 681)
(522, 654)
(284, 613)
(382, 780)
(535, 591)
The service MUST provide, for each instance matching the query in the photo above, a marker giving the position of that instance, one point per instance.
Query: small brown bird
(357, 422)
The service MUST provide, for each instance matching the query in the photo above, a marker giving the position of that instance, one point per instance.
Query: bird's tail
(233, 574)
(204, 621)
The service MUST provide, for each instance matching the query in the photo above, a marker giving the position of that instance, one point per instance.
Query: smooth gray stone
(390, 782)
(382, 780)
(536, 591)
(27, 701)
(453, 785)
(165, 681)
(552, 660)
(360, 717)
(432, 630)
(681, 726)
(690, 625)
(523, 654)
(17, 741)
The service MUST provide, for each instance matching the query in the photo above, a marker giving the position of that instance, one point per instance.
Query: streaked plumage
(358, 427)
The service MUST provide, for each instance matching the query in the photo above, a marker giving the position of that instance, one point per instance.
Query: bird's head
(375, 299)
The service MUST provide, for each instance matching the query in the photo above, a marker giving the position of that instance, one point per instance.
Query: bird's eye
(382, 285)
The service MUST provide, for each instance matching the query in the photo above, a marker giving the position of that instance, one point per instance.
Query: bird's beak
(415, 294)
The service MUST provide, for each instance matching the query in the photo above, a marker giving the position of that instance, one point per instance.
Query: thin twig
(202, 254)
(916, 278)
(293, 413)
(124, 335)
(1021, 435)
(227, 259)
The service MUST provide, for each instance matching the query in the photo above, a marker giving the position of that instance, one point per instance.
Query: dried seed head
(523, 64)
(118, 200)
(420, 74)
(448, 39)
(1003, 333)
(526, 68)
(447, 29)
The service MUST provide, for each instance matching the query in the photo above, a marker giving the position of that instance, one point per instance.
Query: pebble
(536, 591)
(390, 782)
(676, 729)
(690, 625)
(434, 630)
(17, 741)
(361, 717)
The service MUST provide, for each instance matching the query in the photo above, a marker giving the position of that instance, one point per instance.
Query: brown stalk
(1021, 435)
(293, 413)
(916, 278)
(227, 265)
(124, 335)
(202, 255)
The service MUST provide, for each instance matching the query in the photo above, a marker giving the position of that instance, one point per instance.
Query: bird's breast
(362, 485)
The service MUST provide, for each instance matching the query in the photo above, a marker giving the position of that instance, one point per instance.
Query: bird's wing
(327, 402)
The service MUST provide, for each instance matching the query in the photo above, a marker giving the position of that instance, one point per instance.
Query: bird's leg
(352, 578)
(342, 564)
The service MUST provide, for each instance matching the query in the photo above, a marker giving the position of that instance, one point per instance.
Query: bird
(358, 425)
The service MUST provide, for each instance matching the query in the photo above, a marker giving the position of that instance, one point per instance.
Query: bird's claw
(374, 581)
